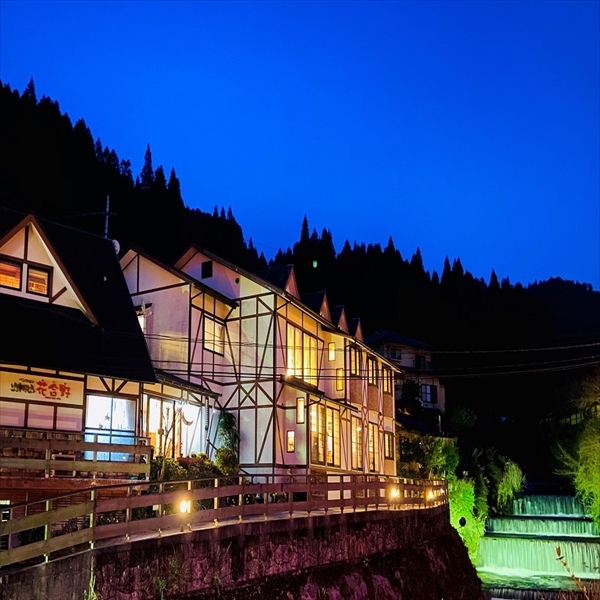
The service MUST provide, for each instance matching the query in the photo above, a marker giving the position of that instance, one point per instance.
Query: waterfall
(519, 551)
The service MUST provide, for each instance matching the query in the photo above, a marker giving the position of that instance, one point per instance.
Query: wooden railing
(147, 509)
(50, 453)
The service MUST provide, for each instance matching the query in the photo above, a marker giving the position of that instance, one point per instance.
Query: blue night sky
(469, 129)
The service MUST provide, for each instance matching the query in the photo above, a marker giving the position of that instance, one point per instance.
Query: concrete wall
(213, 562)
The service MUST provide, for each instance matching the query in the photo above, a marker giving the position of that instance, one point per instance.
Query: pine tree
(29, 92)
(160, 181)
(147, 173)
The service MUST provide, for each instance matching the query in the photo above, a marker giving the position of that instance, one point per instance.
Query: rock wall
(400, 555)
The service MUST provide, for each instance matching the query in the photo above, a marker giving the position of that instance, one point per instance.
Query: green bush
(463, 517)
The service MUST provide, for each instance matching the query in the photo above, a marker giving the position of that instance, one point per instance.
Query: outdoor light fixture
(395, 493)
(185, 506)
(430, 495)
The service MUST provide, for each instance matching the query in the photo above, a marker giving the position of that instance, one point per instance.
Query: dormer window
(38, 281)
(10, 274)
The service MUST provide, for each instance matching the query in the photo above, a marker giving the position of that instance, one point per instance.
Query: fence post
(241, 498)
(93, 517)
(128, 511)
(216, 500)
(47, 527)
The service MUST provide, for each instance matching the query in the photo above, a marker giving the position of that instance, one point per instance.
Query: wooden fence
(113, 514)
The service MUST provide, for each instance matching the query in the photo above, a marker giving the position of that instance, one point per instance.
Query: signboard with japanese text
(41, 388)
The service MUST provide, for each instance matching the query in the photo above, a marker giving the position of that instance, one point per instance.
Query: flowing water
(518, 554)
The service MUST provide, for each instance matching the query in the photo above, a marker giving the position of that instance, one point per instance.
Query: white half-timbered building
(308, 394)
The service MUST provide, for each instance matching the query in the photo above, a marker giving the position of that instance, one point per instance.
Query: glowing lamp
(184, 506)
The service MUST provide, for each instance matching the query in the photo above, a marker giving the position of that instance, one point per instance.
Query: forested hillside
(57, 169)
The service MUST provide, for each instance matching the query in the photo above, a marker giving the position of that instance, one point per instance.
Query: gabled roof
(132, 248)
(338, 317)
(383, 336)
(356, 328)
(104, 339)
(282, 277)
(317, 302)
(278, 276)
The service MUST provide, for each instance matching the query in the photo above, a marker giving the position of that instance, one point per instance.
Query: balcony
(26, 453)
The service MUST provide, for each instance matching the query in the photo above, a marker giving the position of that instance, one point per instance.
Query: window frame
(206, 269)
(14, 263)
(40, 269)
(339, 380)
(355, 361)
(388, 445)
(356, 444)
(372, 371)
(301, 354)
(386, 375)
(331, 351)
(321, 417)
(215, 345)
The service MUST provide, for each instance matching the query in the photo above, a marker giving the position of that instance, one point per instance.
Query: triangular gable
(291, 286)
(356, 329)
(338, 318)
(143, 272)
(358, 334)
(325, 312)
(28, 244)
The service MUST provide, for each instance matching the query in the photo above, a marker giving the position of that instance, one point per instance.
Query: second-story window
(387, 380)
(339, 380)
(38, 281)
(429, 393)
(214, 335)
(301, 355)
(372, 370)
(354, 361)
(10, 274)
(331, 351)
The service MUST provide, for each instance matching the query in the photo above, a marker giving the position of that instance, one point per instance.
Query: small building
(419, 381)
(80, 401)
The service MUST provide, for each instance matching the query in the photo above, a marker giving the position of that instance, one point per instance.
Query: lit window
(339, 379)
(213, 335)
(387, 380)
(300, 410)
(372, 371)
(10, 274)
(388, 445)
(38, 281)
(373, 447)
(354, 361)
(291, 441)
(357, 444)
(331, 351)
(301, 355)
(325, 435)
